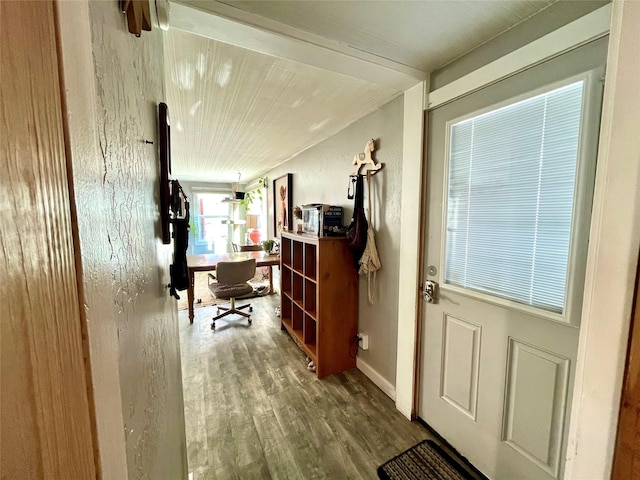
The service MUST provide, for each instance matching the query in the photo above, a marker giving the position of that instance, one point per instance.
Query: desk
(208, 262)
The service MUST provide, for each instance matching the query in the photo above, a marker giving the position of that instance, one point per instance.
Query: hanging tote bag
(357, 230)
(370, 261)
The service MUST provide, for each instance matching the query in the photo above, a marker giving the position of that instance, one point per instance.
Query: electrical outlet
(363, 341)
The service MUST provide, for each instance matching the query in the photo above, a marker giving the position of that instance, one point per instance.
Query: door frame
(626, 451)
(48, 427)
(610, 274)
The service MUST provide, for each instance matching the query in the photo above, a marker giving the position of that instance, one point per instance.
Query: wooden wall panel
(626, 464)
(46, 426)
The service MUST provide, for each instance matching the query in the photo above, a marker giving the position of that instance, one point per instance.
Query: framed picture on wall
(282, 203)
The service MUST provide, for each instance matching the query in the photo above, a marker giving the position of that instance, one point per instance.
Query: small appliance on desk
(321, 220)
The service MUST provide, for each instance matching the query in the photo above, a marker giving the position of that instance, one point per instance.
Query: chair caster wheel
(251, 309)
(213, 326)
(249, 321)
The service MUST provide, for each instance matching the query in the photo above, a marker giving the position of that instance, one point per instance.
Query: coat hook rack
(138, 15)
(366, 158)
(351, 189)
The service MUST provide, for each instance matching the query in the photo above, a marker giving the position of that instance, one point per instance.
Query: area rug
(202, 295)
(424, 461)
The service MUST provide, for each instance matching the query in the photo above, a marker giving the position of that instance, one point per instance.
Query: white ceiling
(277, 77)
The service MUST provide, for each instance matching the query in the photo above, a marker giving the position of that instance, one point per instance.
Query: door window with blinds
(510, 199)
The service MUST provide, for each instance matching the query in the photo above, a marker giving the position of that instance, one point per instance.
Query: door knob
(430, 291)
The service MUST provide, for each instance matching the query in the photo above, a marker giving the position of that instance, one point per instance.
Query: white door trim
(409, 265)
(613, 256)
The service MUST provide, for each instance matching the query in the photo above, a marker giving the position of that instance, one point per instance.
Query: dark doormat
(424, 461)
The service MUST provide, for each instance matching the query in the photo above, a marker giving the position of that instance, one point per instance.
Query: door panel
(536, 394)
(460, 364)
(45, 406)
(495, 374)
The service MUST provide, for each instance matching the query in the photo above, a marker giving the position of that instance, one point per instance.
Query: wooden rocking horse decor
(366, 158)
(361, 160)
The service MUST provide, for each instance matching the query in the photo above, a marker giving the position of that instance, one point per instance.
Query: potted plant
(249, 197)
(236, 193)
(267, 245)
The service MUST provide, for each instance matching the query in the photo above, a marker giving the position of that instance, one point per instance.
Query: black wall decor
(164, 138)
(174, 208)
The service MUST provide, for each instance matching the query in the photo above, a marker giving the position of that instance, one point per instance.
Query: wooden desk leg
(190, 294)
(271, 280)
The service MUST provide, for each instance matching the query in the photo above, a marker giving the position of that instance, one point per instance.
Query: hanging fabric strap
(370, 261)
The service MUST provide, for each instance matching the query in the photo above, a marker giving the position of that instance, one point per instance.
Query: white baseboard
(376, 378)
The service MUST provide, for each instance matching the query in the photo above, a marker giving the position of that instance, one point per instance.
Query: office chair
(232, 283)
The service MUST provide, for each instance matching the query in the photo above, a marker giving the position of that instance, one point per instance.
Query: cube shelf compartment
(319, 299)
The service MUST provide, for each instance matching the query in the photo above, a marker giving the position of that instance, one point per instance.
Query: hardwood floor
(254, 411)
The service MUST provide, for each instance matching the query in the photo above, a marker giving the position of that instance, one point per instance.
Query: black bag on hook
(178, 269)
(357, 229)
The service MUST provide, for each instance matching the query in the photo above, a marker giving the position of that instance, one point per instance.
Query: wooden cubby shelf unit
(319, 299)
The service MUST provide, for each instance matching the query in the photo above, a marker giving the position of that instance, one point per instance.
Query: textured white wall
(321, 175)
(113, 88)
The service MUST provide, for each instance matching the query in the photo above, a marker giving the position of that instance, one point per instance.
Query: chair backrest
(250, 248)
(246, 248)
(235, 272)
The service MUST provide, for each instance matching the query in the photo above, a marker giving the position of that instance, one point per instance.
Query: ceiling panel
(421, 34)
(234, 110)
(237, 111)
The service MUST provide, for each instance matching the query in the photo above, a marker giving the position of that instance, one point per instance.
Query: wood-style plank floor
(254, 411)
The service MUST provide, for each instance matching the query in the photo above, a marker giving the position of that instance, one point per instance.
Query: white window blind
(512, 175)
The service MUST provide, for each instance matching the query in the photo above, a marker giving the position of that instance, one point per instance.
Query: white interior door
(509, 187)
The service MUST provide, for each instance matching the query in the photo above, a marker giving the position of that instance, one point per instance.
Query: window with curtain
(511, 186)
(209, 213)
